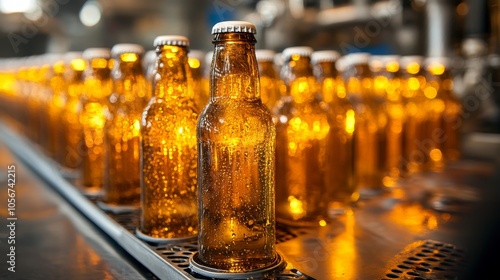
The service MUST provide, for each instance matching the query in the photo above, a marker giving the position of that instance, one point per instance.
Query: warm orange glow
(194, 63)
(413, 68)
(436, 69)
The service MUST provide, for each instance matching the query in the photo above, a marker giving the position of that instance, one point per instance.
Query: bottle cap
(355, 59)
(404, 61)
(302, 51)
(197, 54)
(324, 56)
(437, 60)
(69, 56)
(171, 40)
(234, 26)
(126, 48)
(96, 53)
(264, 55)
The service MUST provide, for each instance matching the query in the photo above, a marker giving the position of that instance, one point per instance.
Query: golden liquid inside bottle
(302, 130)
(269, 85)
(415, 157)
(56, 105)
(72, 129)
(236, 146)
(97, 89)
(387, 84)
(340, 177)
(169, 156)
(370, 129)
(200, 94)
(451, 121)
(122, 130)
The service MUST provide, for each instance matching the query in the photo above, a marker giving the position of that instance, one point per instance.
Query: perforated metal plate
(427, 260)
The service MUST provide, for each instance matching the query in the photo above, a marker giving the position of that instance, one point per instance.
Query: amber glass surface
(387, 82)
(415, 156)
(451, 122)
(122, 130)
(169, 156)
(370, 128)
(340, 177)
(72, 130)
(269, 84)
(55, 138)
(236, 146)
(198, 91)
(302, 138)
(97, 89)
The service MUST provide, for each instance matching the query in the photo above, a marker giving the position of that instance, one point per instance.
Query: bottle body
(169, 190)
(122, 129)
(236, 145)
(302, 130)
(55, 142)
(97, 89)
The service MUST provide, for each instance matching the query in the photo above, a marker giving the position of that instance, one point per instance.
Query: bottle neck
(170, 79)
(97, 81)
(298, 77)
(129, 83)
(234, 71)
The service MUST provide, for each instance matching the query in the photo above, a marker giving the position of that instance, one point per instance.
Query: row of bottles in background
(344, 126)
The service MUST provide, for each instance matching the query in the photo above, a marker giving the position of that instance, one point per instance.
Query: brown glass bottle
(439, 75)
(169, 191)
(269, 83)
(236, 146)
(55, 142)
(387, 85)
(72, 130)
(122, 168)
(415, 157)
(199, 93)
(302, 131)
(339, 176)
(97, 89)
(371, 121)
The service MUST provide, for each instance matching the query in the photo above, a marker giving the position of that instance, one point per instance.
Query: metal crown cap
(171, 40)
(234, 26)
(69, 56)
(407, 59)
(126, 48)
(264, 55)
(324, 56)
(302, 51)
(445, 61)
(384, 59)
(96, 53)
(355, 58)
(197, 54)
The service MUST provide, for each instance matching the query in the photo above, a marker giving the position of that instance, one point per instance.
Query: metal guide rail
(377, 244)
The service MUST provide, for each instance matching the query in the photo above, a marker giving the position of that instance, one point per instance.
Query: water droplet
(250, 223)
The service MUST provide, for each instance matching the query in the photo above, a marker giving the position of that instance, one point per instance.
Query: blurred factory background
(468, 31)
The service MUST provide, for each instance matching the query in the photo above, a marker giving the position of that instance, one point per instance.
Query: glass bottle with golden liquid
(122, 169)
(415, 103)
(72, 130)
(435, 133)
(339, 176)
(387, 84)
(169, 191)
(236, 151)
(302, 131)
(55, 142)
(439, 76)
(269, 81)
(97, 89)
(199, 93)
(371, 120)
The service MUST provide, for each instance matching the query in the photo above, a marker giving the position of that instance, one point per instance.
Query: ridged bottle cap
(126, 48)
(324, 56)
(69, 56)
(445, 61)
(407, 59)
(234, 26)
(264, 55)
(171, 40)
(302, 51)
(92, 53)
(355, 58)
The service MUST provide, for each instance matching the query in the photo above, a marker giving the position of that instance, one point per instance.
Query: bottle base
(156, 240)
(117, 209)
(198, 267)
